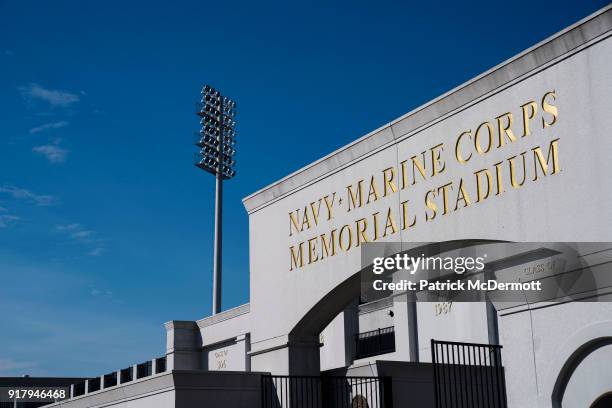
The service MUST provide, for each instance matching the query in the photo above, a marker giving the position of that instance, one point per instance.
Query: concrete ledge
(147, 388)
(534, 58)
(181, 388)
(228, 314)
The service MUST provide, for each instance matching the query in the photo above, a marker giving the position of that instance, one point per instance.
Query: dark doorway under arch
(605, 401)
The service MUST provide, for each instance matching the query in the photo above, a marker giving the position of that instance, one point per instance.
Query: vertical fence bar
(434, 358)
(441, 373)
(353, 390)
(350, 392)
(473, 377)
(311, 392)
(285, 391)
(464, 377)
(361, 388)
(380, 390)
(446, 376)
(481, 403)
(308, 394)
(374, 394)
(490, 371)
(282, 388)
(457, 374)
(369, 400)
(490, 377)
(468, 375)
(451, 371)
(263, 392)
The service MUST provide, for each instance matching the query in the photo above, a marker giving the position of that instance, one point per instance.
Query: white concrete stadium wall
(571, 205)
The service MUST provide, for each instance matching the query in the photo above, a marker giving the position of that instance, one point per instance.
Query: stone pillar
(287, 355)
(406, 328)
(492, 324)
(350, 317)
(304, 356)
(183, 346)
(244, 341)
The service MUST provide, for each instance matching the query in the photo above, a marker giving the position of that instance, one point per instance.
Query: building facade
(520, 153)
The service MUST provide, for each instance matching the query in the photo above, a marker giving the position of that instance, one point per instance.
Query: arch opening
(598, 351)
(605, 401)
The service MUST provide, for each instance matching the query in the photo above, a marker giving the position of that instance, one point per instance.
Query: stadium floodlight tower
(216, 141)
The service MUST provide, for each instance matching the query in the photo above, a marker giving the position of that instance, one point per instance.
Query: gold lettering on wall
(549, 108)
(458, 154)
(504, 128)
(312, 232)
(529, 111)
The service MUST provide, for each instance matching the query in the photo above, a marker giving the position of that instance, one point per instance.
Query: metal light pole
(216, 140)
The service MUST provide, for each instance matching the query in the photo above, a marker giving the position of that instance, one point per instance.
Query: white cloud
(97, 251)
(47, 126)
(78, 233)
(67, 227)
(55, 98)
(99, 292)
(24, 194)
(6, 219)
(8, 365)
(81, 234)
(52, 152)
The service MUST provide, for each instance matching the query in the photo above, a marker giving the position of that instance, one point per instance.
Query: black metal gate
(468, 375)
(279, 391)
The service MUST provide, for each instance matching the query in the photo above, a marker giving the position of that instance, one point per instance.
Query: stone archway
(305, 358)
(338, 298)
(296, 350)
(576, 385)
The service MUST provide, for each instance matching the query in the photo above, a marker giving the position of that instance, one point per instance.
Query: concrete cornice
(228, 314)
(565, 42)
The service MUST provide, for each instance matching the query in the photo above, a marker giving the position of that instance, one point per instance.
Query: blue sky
(106, 225)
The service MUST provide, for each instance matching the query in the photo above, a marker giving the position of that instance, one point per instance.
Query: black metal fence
(110, 380)
(144, 369)
(160, 364)
(468, 375)
(325, 392)
(95, 384)
(375, 342)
